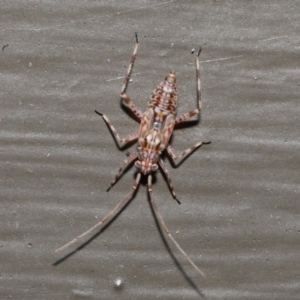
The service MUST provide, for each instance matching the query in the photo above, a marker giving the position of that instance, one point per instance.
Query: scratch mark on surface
(142, 7)
(87, 19)
(219, 59)
(274, 38)
(52, 26)
(121, 77)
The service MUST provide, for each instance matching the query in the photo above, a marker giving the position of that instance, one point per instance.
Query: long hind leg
(126, 100)
(197, 110)
(177, 159)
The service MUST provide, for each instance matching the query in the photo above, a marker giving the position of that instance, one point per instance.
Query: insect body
(156, 127)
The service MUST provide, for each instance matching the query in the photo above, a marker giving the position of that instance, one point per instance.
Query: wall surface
(239, 217)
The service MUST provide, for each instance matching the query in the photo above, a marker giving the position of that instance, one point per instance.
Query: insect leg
(177, 159)
(164, 226)
(110, 215)
(166, 172)
(126, 100)
(128, 103)
(196, 111)
(124, 165)
(133, 57)
(120, 141)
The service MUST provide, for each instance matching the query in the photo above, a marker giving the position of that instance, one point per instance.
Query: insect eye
(138, 164)
(154, 168)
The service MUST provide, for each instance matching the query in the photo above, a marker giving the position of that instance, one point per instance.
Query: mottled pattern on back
(164, 97)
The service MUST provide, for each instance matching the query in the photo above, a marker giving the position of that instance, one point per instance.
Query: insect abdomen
(163, 99)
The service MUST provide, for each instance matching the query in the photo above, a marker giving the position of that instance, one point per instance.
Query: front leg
(120, 141)
(124, 165)
(166, 173)
(177, 159)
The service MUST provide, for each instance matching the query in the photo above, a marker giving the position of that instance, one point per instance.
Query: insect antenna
(164, 226)
(109, 216)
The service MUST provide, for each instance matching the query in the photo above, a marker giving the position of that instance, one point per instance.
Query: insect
(156, 127)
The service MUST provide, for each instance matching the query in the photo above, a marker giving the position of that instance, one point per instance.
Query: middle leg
(177, 159)
(120, 141)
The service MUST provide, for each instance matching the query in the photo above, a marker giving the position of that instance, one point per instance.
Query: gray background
(239, 218)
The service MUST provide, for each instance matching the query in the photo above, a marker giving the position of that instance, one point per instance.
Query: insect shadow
(159, 229)
(175, 260)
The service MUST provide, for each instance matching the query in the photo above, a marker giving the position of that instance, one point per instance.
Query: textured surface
(239, 218)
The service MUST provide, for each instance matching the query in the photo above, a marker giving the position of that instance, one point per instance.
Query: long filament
(110, 215)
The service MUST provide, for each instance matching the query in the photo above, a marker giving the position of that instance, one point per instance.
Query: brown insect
(156, 127)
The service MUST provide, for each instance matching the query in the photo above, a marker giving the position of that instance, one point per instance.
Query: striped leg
(120, 141)
(125, 164)
(197, 110)
(166, 172)
(177, 159)
(133, 57)
(126, 100)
